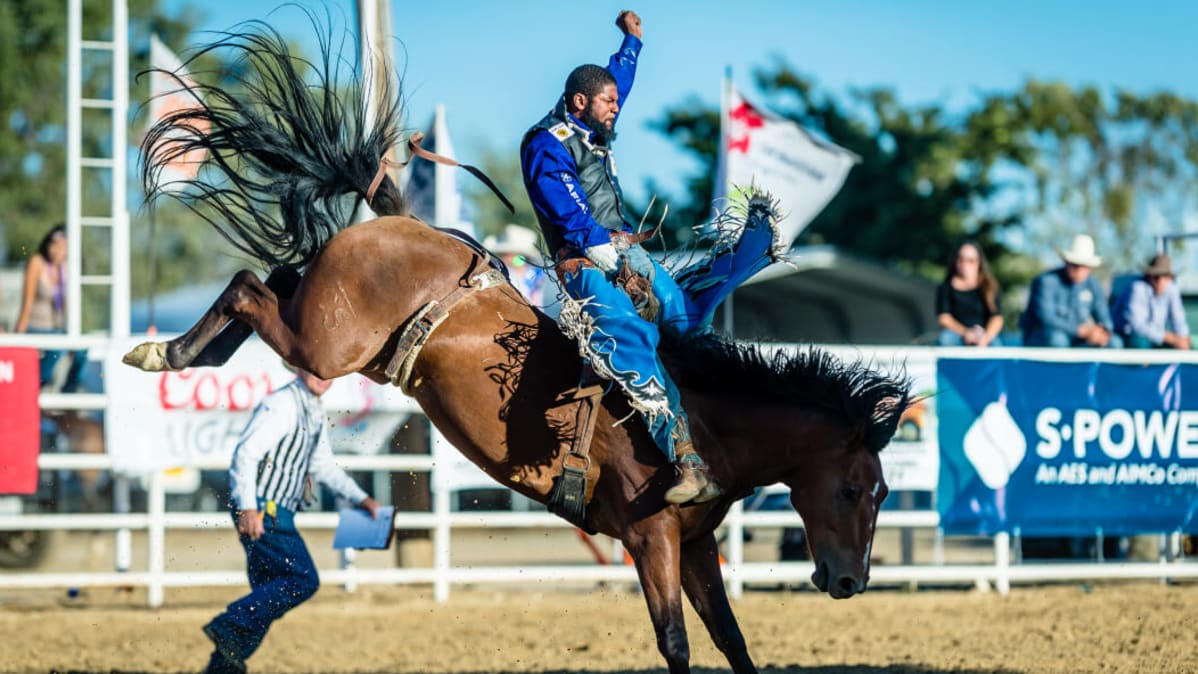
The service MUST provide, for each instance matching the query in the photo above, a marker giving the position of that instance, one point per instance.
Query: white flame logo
(995, 445)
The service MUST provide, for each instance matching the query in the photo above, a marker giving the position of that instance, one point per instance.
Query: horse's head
(838, 497)
(839, 416)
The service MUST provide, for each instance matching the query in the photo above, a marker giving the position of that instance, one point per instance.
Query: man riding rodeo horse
(622, 294)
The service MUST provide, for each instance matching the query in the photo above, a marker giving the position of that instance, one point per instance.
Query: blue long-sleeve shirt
(1140, 311)
(551, 175)
(1056, 304)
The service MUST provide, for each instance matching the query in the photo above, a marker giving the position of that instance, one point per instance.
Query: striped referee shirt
(285, 441)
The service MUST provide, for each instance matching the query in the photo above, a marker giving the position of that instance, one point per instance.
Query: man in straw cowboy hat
(1149, 314)
(1067, 306)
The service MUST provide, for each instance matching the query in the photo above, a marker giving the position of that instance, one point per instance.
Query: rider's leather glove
(604, 256)
(637, 259)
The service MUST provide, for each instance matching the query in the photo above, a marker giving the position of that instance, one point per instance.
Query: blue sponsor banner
(1066, 448)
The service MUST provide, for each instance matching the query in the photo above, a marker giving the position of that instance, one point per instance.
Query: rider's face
(1076, 273)
(604, 106)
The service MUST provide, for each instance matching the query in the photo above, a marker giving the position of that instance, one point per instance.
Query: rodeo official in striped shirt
(283, 448)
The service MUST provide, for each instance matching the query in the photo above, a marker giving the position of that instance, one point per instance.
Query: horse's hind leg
(223, 346)
(244, 305)
(283, 282)
(704, 585)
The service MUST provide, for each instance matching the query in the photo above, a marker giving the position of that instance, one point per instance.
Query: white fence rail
(441, 521)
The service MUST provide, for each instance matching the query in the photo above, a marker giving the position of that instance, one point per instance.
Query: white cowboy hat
(1081, 252)
(515, 240)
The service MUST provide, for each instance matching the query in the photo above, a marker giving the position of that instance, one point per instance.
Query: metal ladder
(116, 220)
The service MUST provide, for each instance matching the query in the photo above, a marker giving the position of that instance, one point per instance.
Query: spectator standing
(1067, 306)
(43, 304)
(283, 448)
(967, 305)
(1149, 313)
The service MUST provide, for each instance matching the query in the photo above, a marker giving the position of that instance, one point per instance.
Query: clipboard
(355, 529)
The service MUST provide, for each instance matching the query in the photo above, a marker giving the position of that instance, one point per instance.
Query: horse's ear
(887, 413)
(894, 404)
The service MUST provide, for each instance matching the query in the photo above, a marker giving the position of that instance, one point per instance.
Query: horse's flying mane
(289, 146)
(811, 377)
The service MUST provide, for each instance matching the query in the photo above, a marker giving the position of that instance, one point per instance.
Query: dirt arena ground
(1102, 627)
(1139, 627)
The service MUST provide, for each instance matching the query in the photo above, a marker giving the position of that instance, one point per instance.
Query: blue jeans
(282, 576)
(949, 338)
(1135, 341)
(49, 360)
(1060, 339)
(622, 347)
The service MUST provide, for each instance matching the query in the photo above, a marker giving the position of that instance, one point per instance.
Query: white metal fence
(156, 522)
(442, 520)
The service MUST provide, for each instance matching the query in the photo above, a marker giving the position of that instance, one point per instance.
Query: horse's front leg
(218, 334)
(654, 546)
(704, 585)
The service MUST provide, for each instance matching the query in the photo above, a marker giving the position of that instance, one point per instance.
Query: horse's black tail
(289, 150)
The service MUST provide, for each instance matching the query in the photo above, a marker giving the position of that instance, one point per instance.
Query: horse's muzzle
(844, 585)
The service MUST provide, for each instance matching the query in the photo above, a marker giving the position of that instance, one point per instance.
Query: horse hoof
(149, 356)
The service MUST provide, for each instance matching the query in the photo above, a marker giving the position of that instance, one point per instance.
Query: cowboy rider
(571, 180)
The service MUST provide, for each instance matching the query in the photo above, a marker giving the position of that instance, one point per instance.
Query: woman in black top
(967, 301)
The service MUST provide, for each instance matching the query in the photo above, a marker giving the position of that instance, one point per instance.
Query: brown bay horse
(492, 374)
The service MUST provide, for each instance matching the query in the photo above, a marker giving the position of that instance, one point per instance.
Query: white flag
(168, 95)
(776, 155)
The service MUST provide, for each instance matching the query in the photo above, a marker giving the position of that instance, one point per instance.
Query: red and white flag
(778, 156)
(170, 94)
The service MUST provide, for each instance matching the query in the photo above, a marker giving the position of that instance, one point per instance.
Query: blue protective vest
(596, 174)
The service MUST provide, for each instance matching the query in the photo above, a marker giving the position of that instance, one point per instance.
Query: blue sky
(497, 67)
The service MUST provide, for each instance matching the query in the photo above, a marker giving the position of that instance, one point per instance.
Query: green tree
(33, 113)
(696, 127)
(1120, 167)
(909, 200)
(1019, 171)
(33, 80)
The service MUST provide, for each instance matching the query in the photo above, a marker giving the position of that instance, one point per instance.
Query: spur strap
(568, 498)
(588, 398)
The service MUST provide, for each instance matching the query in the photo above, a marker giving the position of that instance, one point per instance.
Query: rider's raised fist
(630, 23)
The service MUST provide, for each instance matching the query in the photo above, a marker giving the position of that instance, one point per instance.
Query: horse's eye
(850, 492)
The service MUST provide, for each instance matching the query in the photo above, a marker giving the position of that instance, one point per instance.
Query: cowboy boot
(694, 482)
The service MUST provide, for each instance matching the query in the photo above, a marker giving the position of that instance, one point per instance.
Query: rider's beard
(603, 133)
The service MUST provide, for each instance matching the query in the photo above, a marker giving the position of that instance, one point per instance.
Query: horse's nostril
(848, 584)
